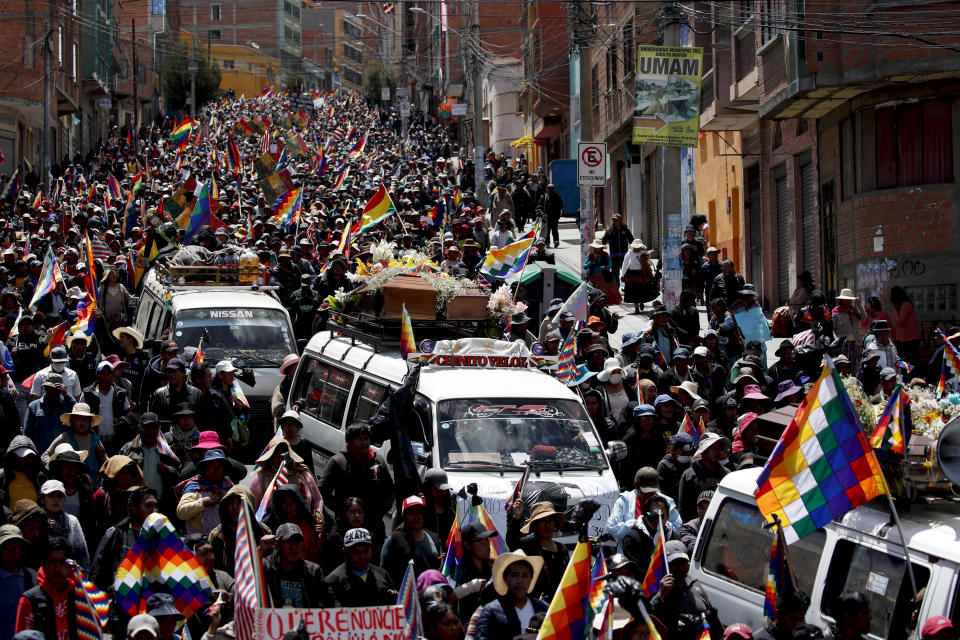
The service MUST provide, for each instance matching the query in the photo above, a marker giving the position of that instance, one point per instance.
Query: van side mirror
(301, 345)
(616, 450)
(421, 453)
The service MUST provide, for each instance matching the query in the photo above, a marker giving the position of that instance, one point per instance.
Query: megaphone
(948, 450)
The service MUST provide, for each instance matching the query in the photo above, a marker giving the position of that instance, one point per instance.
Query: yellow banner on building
(667, 108)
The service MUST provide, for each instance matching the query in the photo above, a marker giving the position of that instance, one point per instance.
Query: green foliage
(375, 80)
(176, 77)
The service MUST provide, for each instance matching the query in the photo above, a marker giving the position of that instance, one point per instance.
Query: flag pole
(524, 266)
(778, 531)
(903, 539)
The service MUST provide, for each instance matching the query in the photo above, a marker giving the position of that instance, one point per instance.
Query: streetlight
(193, 67)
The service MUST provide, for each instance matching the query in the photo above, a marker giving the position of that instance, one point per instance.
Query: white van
(477, 422)
(244, 323)
(862, 551)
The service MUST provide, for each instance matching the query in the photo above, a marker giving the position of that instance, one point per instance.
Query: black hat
(475, 530)
(659, 310)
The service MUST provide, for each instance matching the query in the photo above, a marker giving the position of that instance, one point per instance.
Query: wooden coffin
(470, 304)
(419, 297)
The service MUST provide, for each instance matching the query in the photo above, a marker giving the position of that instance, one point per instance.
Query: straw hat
(846, 294)
(597, 244)
(690, 387)
(504, 560)
(131, 332)
(81, 409)
(541, 511)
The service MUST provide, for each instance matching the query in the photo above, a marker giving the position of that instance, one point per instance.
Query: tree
(176, 77)
(375, 80)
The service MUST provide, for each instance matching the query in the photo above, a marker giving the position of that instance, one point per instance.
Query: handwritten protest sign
(347, 623)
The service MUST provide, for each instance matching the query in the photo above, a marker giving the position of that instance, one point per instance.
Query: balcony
(717, 111)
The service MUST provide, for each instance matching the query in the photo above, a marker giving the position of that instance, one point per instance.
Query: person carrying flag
(792, 605)
(160, 470)
(681, 603)
(640, 540)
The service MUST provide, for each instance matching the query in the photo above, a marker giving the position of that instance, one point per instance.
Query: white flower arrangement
(861, 403)
(501, 304)
(383, 252)
(445, 285)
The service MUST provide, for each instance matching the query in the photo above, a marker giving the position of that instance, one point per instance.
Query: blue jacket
(498, 620)
(42, 422)
(622, 516)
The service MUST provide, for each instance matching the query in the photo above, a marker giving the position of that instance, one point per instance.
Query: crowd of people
(100, 433)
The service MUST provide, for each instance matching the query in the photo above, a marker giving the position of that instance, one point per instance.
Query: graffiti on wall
(872, 277)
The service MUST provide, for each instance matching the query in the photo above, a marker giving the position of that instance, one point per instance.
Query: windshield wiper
(503, 466)
(248, 357)
(565, 465)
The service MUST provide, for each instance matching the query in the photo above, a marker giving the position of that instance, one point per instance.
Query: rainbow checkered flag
(567, 362)
(822, 467)
(250, 590)
(779, 579)
(281, 478)
(159, 562)
(571, 612)
(407, 598)
(658, 568)
(951, 361)
(92, 605)
(453, 561)
(887, 436)
(164, 447)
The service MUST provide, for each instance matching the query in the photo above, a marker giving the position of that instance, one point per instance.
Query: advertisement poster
(670, 265)
(667, 108)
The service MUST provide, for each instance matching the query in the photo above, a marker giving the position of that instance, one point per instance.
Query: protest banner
(346, 623)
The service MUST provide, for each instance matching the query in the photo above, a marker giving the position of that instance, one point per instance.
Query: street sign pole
(591, 172)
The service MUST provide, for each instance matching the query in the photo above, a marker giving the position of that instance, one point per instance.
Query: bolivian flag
(180, 135)
(379, 208)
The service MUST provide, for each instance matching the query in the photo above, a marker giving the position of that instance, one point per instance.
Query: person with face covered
(58, 364)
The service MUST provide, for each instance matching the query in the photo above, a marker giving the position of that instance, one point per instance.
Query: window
(216, 12)
(772, 18)
(323, 390)
(353, 77)
(73, 62)
(368, 400)
(215, 34)
(158, 7)
(905, 145)
(351, 30)
(613, 81)
(353, 54)
(879, 576)
(737, 537)
(228, 64)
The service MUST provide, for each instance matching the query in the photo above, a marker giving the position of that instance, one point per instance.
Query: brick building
(23, 29)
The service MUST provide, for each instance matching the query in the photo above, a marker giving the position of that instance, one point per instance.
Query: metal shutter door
(808, 204)
(783, 233)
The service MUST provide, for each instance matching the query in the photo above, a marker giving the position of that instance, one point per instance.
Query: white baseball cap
(52, 486)
(225, 366)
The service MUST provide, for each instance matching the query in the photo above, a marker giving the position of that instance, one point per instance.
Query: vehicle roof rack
(224, 276)
(379, 332)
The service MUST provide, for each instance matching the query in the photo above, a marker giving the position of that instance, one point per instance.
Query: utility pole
(136, 86)
(670, 184)
(47, 88)
(478, 137)
(581, 44)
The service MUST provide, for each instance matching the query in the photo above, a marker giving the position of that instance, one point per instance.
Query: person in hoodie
(640, 540)
(15, 576)
(223, 538)
(50, 607)
(277, 451)
(287, 506)
(22, 475)
(61, 524)
(183, 433)
(119, 474)
(32, 521)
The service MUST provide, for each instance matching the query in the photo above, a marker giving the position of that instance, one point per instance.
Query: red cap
(738, 629)
(935, 625)
(413, 501)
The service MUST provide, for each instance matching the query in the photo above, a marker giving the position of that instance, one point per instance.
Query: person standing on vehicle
(359, 471)
(681, 603)
(792, 608)
(552, 205)
(303, 308)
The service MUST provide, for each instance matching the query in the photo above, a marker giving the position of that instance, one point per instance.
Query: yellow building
(246, 70)
(720, 193)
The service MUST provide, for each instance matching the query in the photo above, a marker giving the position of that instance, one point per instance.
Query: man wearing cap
(59, 523)
(691, 528)
(358, 582)
(156, 374)
(935, 628)
(709, 376)
(681, 602)
(476, 566)
(869, 374)
(888, 382)
(674, 462)
(411, 540)
(678, 372)
(167, 399)
(704, 474)
(708, 273)
(58, 364)
(42, 423)
(163, 608)
(110, 401)
(159, 469)
(440, 502)
(628, 507)
(293, 581)
(26, 352)
(640, 540)
(15, 577)
(540, 253)
(303, 308)
(81, 360)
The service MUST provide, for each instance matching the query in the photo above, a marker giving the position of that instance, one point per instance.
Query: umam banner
(347, 623)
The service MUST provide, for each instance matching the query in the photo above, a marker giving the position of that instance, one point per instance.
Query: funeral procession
(479, 320)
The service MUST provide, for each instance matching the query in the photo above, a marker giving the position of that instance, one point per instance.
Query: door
(755, 205)
(808, 210)
(784, 232)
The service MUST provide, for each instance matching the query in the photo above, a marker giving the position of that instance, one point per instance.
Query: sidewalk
(568, 256)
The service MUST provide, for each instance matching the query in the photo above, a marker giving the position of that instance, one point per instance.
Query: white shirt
(525, 613)
(70, 381)
(106, 412)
